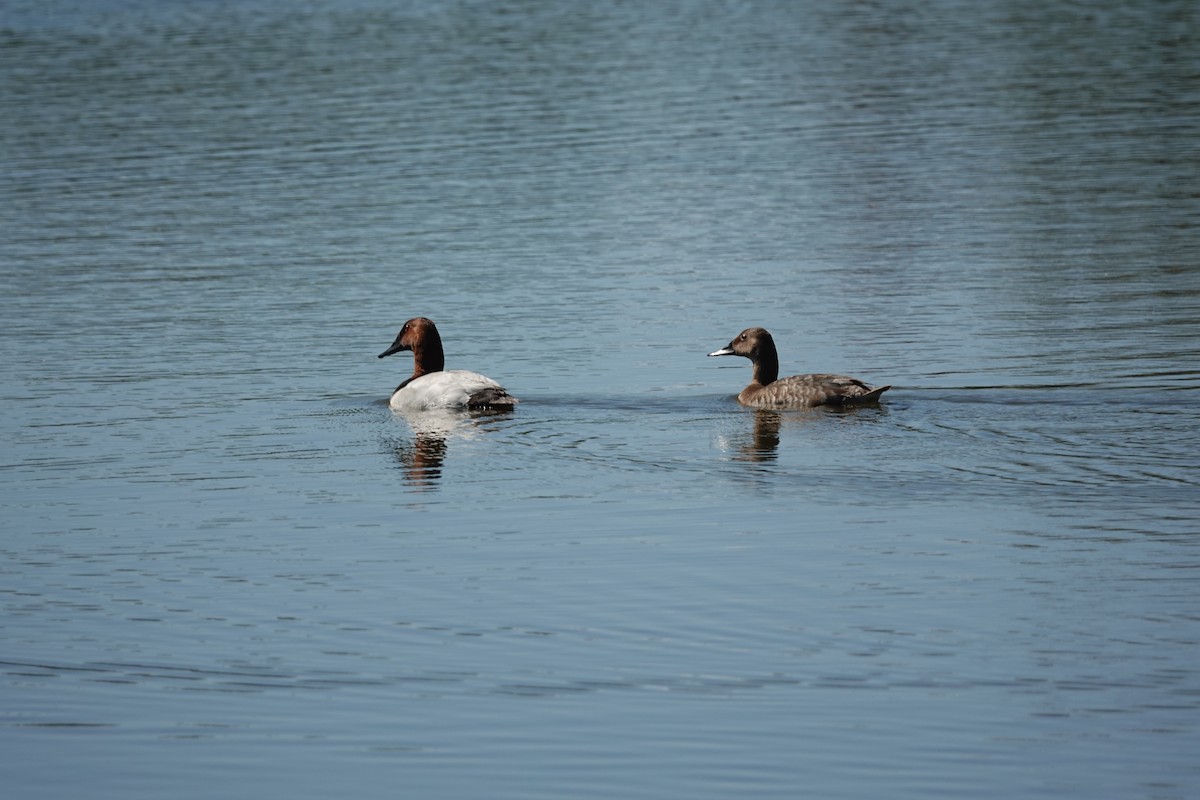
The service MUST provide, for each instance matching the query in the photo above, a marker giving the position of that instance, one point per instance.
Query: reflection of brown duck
(768, 390)
(764, 444)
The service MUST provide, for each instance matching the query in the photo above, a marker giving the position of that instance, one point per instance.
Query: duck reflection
(421, 460)
(762, 444)
(421, 457)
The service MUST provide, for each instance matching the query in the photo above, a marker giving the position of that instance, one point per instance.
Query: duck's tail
(870, 397)
(492, 397)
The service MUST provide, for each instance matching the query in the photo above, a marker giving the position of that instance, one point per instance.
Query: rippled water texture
(228, 569)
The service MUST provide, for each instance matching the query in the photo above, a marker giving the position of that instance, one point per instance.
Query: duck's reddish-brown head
(415, 333)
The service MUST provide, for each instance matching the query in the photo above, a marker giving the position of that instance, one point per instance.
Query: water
(229, 569)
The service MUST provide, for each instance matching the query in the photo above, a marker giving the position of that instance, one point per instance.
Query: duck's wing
(847, 389)
(805, 391)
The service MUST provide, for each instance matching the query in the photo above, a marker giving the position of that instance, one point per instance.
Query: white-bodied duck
(431, 385)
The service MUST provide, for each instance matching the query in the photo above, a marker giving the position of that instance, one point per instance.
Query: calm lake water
(227, 569)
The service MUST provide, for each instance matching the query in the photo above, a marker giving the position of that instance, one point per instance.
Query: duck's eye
(742, 338)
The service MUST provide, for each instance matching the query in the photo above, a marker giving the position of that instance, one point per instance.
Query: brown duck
(768, 390)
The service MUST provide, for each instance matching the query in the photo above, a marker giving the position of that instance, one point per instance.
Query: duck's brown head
(758, 346)
(751, 343)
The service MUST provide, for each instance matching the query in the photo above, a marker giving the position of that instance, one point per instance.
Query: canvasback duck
(432, 386)
(768, 390)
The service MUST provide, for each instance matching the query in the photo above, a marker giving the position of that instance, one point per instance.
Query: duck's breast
(446, 389)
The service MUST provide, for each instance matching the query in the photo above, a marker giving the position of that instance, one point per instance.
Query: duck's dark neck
(766, 362)
(428, 355)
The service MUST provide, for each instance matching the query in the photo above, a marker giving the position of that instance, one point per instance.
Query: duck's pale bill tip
(724, 351)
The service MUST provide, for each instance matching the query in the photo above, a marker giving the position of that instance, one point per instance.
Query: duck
(431, 386)
(768, 390)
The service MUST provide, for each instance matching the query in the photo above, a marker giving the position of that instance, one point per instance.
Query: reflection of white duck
(768, 390)
(431, 385)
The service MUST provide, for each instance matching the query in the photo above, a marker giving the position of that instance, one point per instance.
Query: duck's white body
(455, 388)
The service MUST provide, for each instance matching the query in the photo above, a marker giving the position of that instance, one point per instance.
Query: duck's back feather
(804, 391)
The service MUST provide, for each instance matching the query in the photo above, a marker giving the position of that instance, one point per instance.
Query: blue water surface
(227, 568)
